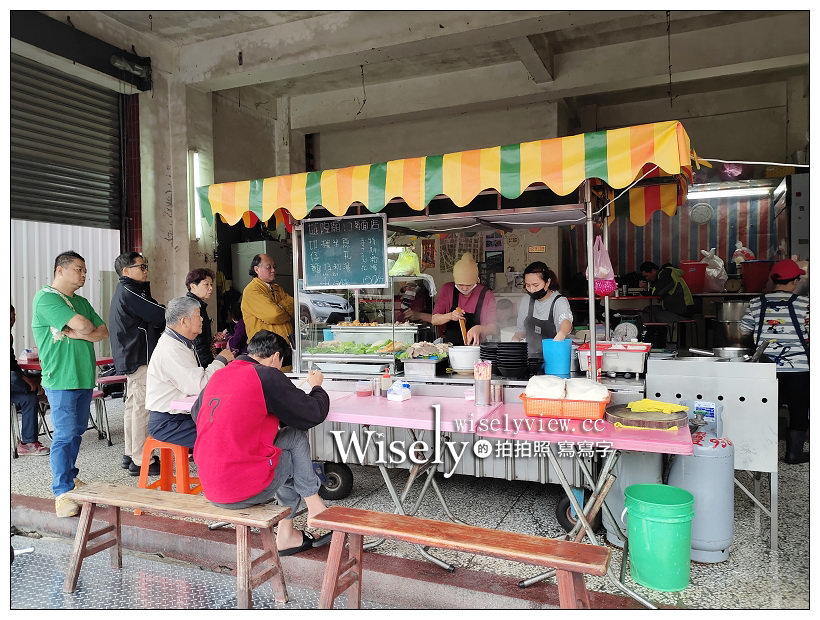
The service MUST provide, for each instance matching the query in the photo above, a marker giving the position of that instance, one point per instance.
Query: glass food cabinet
(345, 331)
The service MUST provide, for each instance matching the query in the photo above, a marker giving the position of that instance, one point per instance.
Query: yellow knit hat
(465, 271)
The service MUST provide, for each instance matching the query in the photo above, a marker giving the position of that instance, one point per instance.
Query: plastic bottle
(405, 389)
(386, 382)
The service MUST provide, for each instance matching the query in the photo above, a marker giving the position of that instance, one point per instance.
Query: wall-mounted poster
(493, 242)
(428, 253)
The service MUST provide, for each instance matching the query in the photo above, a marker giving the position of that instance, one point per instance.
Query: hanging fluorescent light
(729, 193)
(194, 209)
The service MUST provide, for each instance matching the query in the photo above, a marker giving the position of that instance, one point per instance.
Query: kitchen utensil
(761, 347)
(725, 352)
(650, 419)
(463, 325)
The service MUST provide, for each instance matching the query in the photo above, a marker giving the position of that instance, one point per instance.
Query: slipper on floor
(307, 543)
(322, 540)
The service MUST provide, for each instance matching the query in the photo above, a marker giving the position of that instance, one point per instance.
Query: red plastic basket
(562, 408)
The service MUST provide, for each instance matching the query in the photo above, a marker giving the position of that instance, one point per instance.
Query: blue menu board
(346, 252)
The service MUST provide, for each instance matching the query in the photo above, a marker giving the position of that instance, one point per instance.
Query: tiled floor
(752, 578)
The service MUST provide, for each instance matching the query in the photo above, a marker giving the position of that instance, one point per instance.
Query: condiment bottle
(386, 383)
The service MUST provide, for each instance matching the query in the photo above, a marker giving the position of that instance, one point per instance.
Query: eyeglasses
(143, 266)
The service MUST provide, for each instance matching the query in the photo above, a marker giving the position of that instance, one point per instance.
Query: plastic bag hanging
(602, 272)
(407, 264)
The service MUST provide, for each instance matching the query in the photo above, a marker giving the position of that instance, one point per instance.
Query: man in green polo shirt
(65, 329)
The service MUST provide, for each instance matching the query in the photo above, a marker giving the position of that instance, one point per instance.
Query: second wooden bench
(571, 560)
(264, 517)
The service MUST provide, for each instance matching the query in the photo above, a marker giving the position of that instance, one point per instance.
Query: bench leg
(75, 563)
(116, 550)
(572, 590)
(277, 578)
(243, 567)
(331, 578)
(354, 594)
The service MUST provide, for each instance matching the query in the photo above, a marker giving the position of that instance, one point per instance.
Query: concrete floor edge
(397, 582)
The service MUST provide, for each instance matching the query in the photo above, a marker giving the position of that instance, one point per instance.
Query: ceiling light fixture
(728, 193)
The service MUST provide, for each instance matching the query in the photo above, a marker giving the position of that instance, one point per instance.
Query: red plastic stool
(168, 452)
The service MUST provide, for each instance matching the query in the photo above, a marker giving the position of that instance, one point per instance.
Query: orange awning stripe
(616, 156)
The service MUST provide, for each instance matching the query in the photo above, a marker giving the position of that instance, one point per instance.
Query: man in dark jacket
(667, 283)
(243, 457)
(135, 322)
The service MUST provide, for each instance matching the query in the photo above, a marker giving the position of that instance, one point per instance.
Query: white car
(317, 307)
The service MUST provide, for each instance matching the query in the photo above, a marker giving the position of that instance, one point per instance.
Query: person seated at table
(546, 314)
(782, 319)
(666, 282)
(235, 335)
(174, 373)
(24, 391)
(251, 444)
(464, 298)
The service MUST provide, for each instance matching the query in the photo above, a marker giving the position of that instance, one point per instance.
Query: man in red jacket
(243, 457)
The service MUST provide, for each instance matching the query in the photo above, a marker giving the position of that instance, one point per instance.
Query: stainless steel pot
(729, 334)
(733, 354)
(731, 310)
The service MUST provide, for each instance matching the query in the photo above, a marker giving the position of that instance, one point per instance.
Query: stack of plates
(512, 359)
(489, 352)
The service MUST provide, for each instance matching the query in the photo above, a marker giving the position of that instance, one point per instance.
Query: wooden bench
(116, 496)
(571, 560)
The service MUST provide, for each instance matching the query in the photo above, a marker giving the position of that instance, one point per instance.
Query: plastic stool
(168, 453)
(683, 337)
(98, 398)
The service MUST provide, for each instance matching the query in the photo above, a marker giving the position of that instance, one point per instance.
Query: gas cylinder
(708, 474)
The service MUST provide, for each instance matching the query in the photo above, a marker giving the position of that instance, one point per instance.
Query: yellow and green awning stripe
(616, 156)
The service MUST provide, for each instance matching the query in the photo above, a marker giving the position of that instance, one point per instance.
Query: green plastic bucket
(659, 527)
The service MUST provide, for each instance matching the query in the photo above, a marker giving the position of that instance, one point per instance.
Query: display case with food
(424, 359)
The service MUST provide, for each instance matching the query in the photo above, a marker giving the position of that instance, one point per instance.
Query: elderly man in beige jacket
(174, 373)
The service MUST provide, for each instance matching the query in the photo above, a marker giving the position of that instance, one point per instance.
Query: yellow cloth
(465, 270)
(265, 307)
(646, 405)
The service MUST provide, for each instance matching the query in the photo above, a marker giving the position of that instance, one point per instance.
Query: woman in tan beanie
(465, 298)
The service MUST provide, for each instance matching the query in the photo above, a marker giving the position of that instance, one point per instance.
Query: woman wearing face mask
(546, 314)
(465, 298)
(200, 285)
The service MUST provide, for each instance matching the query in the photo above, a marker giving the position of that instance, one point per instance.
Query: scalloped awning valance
(617, 157)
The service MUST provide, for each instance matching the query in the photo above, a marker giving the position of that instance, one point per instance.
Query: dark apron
(782, 357)
(452, 333)
(538, 329)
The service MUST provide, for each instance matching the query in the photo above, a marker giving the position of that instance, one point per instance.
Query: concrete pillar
(797, 105)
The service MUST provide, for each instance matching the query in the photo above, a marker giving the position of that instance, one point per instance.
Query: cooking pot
(733, 353)
(731, 310)
(725, 352)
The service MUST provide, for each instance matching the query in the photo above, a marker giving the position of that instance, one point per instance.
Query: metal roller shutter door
(65, 148)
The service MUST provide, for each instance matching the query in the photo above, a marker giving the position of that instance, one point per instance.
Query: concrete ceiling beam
(588, 72)
(539, 63)
(351, 38)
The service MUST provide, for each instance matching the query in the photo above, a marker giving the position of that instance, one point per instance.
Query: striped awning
(618, 157)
